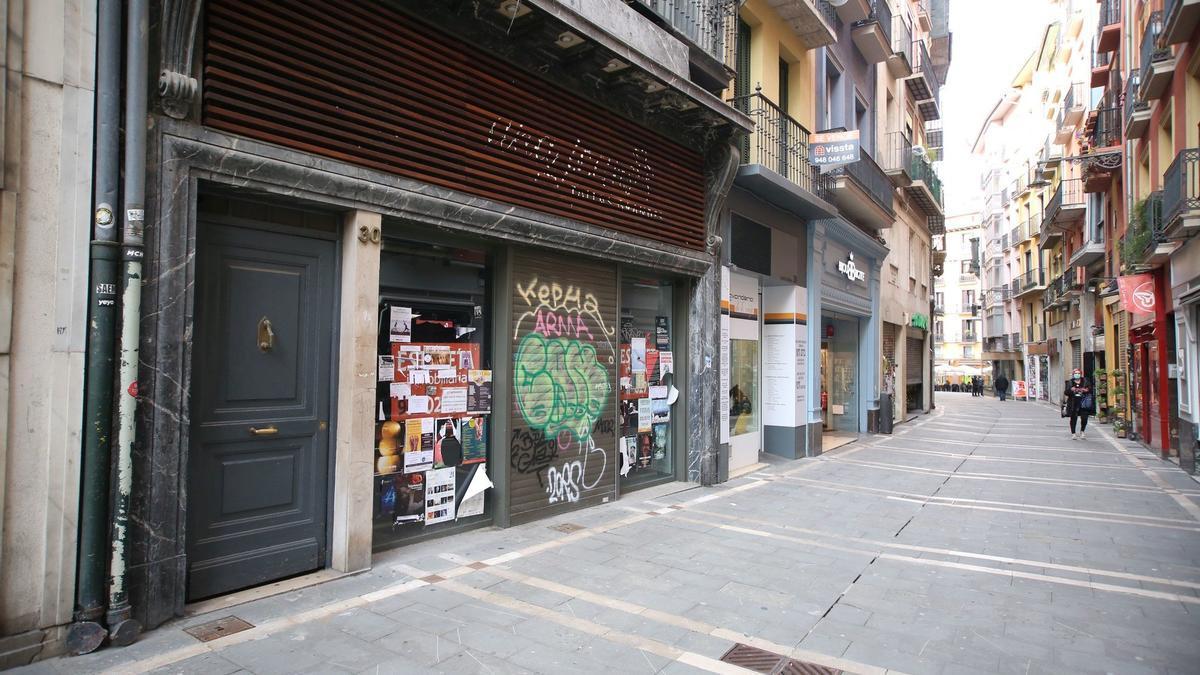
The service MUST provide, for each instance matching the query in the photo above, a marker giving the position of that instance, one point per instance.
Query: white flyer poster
(454, 400)
(400, 324)
(439, 495)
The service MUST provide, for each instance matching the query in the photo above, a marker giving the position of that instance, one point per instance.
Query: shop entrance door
(839, 375)
(258, 467)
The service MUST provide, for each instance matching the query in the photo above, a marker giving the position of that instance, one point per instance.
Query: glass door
(842, 382)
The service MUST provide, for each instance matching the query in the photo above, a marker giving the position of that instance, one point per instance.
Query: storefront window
(743, 387)
(647, 384)
(434, 395)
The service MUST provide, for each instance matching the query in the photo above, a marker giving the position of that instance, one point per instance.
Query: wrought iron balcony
(702, 22)
(1144, 237)
(780, 143)
(1108, 30)
(926, 187)
(873, 35)
(896, 159)
(900, 63)
(1157, 64)
(1066, 206)
(1032, 280)
(1137, 109)
(1106, 131)
(923, 84)
(863, 192)
(1181, 18)
(1100, 67)
(1181, 194)
(970, 336)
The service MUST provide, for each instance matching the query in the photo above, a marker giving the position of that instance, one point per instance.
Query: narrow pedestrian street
(979, 539)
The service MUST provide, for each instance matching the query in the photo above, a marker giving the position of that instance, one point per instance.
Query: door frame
(204, 219)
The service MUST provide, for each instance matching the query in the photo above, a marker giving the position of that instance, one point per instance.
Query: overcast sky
(992, 39)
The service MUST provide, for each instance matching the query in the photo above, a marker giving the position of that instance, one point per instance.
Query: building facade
(958, 304)
(836, 262)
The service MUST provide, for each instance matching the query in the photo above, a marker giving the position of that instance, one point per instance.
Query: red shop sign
(1137, 293)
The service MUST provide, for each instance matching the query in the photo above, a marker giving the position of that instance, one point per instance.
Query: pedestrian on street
(977, 390)
(1002, 386)
(1081, 401)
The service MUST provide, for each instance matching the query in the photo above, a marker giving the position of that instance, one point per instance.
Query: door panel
(261, 387)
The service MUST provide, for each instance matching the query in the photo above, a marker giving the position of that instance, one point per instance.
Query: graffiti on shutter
(563, 448)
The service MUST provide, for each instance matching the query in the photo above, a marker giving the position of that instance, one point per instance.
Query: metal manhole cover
(752, 658)
(227, 625)
(567, 528)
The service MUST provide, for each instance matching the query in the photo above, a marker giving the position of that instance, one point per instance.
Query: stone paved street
(979, 539)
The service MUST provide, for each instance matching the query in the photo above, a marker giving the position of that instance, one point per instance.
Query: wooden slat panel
(366, 84)
(562, 448)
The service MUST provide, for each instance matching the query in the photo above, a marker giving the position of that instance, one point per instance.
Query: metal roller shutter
(364, 83)
(563, 450)
(1076, 355)
(914, 358)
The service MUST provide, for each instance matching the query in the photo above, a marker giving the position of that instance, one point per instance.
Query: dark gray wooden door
(258, 466)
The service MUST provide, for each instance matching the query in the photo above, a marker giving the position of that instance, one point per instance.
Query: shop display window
(647, 380)
(434, 396)
(743, 387)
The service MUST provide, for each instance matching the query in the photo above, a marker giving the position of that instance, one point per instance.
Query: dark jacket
(1002, 383)
(1073, 394)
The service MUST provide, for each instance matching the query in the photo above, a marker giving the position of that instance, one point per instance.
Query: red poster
(1137, 293)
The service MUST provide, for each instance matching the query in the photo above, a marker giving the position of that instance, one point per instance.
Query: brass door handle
(264, 431)
(266, 335)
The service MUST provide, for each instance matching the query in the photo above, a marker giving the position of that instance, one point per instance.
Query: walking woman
(1081, 401)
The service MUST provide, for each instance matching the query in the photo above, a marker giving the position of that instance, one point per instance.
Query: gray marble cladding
(183, 155)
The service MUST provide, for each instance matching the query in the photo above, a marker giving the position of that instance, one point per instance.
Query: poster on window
(439, 495)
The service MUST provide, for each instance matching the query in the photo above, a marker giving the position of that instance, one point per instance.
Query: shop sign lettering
(850, 270)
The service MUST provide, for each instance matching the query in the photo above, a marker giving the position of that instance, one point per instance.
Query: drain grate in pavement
(567, 528)
(227, 625)
(763, 661)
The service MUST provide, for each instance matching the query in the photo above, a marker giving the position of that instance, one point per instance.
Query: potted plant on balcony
(1137, 236)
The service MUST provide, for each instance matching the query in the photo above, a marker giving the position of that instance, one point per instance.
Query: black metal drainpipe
(87, 633)
(123, 629)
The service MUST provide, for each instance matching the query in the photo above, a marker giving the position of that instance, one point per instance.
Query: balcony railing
(1014, 341)
(934, 137)
(925, 66)
(880, 13)
(922, 170)
(1110, 13)
(1133, 102)
(897, 152)
(1152, 50)
(871, 178)
(1146, 231)
(1100, 60)
(1075, 97)
(1032, 279)
(1068, 194)
(902, 40)
(780, 143)
(970, 336)
(1181, 185)
(701, 21)
(1107, 132)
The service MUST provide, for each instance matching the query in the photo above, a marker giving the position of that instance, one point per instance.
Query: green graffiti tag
(559, 385)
